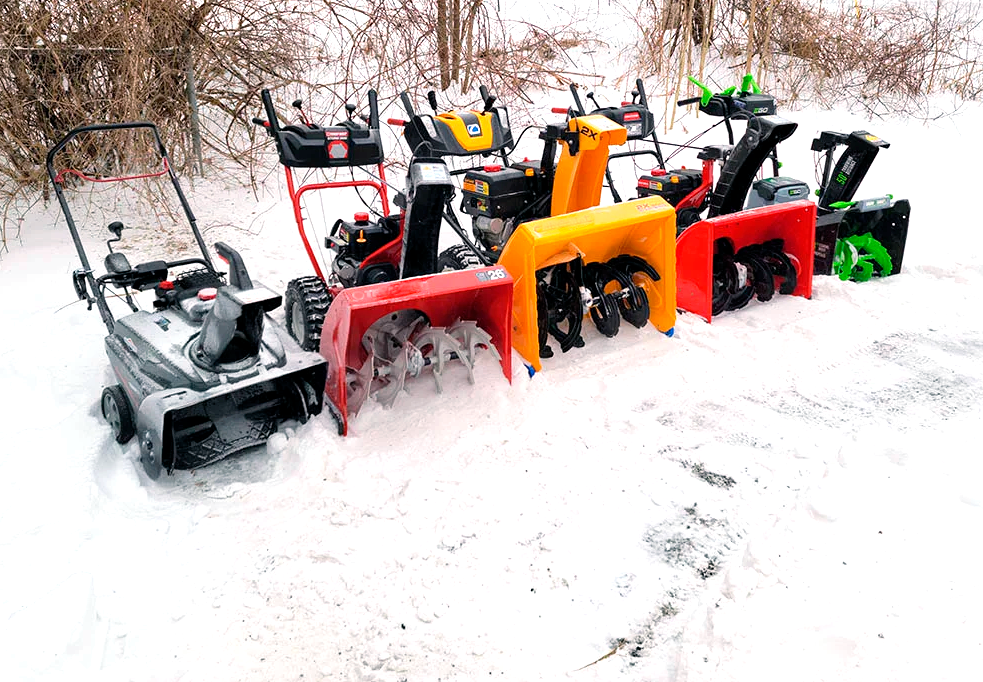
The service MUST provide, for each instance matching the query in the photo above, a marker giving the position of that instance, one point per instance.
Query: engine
(499, 198)
(671, 185)
(354, 241)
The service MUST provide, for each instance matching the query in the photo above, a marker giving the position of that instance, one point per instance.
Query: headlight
(430, 127)
(503, 117)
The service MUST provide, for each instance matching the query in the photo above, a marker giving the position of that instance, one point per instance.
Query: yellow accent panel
(460, 130)
(578, 181)
(645, 228)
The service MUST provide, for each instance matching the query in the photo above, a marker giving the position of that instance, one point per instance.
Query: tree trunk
(443, 56)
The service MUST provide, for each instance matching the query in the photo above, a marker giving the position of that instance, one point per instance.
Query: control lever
(298, 104)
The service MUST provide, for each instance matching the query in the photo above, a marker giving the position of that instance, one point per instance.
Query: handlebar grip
(432, 100)
(274, 125)
(489, 103)
(642, 99)
(560, 110)
(395, 121)
(691, 100)
(260, 122)
(405, 99)
(373, 110)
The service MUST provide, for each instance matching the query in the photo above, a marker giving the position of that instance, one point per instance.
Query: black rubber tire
(687, 217)
(305, 303)
(458, 257)
(117, 411)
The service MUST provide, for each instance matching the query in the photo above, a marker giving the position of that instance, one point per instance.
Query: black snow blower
(856, 239)
(206, 373)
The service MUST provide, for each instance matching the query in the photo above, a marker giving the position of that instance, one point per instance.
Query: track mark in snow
(710, 477)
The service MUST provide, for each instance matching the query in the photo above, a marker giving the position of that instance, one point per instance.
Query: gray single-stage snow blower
(205, 374)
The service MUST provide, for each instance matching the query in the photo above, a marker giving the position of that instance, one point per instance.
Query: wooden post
(195, 121)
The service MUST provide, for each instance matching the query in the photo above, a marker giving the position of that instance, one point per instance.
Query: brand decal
(490, 275)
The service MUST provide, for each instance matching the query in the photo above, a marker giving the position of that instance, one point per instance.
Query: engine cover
(496, 192)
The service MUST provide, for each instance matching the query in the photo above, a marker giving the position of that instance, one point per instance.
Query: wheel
(685, 218)
(117, 411)
(458, 257)
(306, 302)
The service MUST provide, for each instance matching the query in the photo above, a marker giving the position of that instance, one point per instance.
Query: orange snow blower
(539, 220)
(378, 312)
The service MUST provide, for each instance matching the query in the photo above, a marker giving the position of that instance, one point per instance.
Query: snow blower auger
(735, 255)
(381, 313)
(881, 220)
(612, 264)
(207, 373)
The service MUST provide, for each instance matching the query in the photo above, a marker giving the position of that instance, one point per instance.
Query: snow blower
(207, 373)
(870, 231)
(382, 312)
(734, 255)
(538, 219)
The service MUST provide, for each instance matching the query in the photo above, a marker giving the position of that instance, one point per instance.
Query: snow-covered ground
(792, 493)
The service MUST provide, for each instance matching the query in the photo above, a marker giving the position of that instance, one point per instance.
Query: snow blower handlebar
(634, 116)
(57, 180)
(407, 104)
(466, 132)
(579, 108)
(489, 100)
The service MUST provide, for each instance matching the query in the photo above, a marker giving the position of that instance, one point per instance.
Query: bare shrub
(395, 45)
(888, 58)
(64, 64)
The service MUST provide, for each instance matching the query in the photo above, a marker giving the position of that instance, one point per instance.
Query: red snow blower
(733, 256)
(379, 312)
